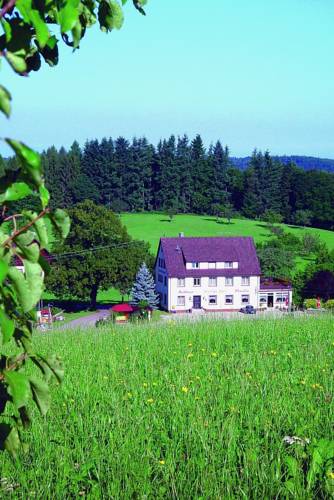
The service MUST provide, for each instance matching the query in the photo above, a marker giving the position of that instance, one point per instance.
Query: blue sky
(253, 73)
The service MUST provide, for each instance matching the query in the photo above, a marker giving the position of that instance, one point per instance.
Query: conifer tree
(143, 289)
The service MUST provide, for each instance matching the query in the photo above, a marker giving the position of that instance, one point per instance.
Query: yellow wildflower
(185, 389)
(190, 344)
(316, 386)
(190, 355)
(197, 377)
(150, 400)
(161, 462)
(330, 474)
(273, 353)
(248, 375)
(145, 384)
(129, 394)
(214, 354)
(303, 382)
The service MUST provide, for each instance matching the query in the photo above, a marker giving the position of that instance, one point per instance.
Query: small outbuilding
(124, 311)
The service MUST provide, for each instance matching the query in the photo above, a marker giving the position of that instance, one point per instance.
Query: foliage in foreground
(27, 37)
(185, 411)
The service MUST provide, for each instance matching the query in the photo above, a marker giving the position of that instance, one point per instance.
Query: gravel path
(86, 321)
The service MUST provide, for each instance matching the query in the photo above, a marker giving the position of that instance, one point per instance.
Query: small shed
(123, 312)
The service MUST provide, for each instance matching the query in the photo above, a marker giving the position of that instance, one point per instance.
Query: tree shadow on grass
(220, 222)
(71, 306)
(165, 220)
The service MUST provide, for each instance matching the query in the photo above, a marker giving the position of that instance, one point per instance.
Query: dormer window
(195, 265)
(212, 265)
(228, 265)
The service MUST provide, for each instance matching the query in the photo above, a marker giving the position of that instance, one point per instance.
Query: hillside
(150, 227)
(304, 162)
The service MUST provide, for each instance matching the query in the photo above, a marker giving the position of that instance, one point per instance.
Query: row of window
(213, 265)
(229, 299)
(213, 281)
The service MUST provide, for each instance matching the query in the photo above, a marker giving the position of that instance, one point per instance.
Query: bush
(310, 303)
(329, 304)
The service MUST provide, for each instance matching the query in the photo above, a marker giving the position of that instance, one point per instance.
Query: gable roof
(178, 251)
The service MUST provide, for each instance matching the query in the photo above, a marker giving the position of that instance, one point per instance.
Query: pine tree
(143, 289)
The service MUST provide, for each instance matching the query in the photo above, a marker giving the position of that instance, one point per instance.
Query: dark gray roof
(178, 251)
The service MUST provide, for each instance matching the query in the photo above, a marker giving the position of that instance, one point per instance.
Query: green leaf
(9, 439)
(31, 252)
(32, 16)
(21, 288)
(30, 159)
(50, 51)
(68, 15)
(34, 278)
(16, 191)
(40, 228)
(17, 62)
(18, 387)
(41, 394)
(110, 15)
(44, 195)
(5, 99)
(3, 270)
(51, 366)
(7, 326)
(61, 222)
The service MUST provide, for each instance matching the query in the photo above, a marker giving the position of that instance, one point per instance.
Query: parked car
(248, 310)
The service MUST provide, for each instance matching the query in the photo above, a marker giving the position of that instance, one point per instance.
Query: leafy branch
(28, 37)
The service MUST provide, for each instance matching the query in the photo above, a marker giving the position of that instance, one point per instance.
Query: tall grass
(179, 410)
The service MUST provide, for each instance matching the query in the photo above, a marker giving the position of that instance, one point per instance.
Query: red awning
(123, 308)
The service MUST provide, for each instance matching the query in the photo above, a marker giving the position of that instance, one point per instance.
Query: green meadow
(181, 410)
(152, 226)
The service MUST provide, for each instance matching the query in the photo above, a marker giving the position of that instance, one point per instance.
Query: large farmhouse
(214, 274)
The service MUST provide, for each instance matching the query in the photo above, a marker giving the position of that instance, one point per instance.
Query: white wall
(221, 290)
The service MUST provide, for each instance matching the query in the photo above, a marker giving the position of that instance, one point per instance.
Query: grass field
(184, 411)
(151, 227)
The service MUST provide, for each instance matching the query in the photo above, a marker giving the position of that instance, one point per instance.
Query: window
(263, 299)
(212, 265)
(162, 263)
(160, 278)
(165, 298)
(229, 299)
(245, 280)
(213, 300)
(165, 281)
(212, 281)
(195, 265)
(180, 282)
(181, 300)
(228, 265)
(197, 281)
(229, 281)
(281, 298)
(245, 299)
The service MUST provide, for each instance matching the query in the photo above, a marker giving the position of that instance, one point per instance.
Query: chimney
(181, 235)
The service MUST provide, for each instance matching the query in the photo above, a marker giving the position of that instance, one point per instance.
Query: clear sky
(253, 73)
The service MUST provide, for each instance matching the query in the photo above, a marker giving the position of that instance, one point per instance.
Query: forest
(180, 175)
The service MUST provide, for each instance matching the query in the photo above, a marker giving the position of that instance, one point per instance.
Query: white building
(214, 274)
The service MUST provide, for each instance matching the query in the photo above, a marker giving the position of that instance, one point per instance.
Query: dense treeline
(183, 176)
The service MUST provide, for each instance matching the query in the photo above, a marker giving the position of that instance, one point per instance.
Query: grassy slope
(122, 426)
(150, 227)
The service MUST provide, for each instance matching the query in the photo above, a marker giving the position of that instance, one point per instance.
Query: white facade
(219, 293)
